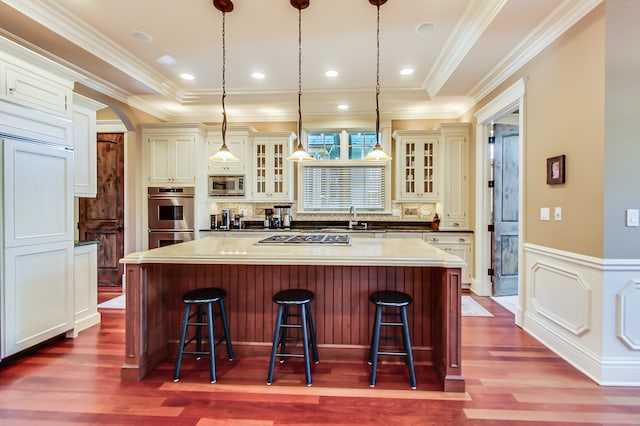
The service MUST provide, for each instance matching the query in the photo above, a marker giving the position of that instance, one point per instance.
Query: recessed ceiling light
(141, 36)
(406, 71)
(186, 76)
(425, 28)
(257, 75)
(343, 106)
(331, 73)
(166, 60)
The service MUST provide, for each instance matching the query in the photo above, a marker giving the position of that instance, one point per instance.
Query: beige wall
(564, 115)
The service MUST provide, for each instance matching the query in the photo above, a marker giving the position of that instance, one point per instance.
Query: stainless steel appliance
(171, 215)
(225, 224)
(307, 239)
(226, 185)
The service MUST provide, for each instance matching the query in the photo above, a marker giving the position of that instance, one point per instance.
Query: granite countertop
(340, 226)
(361, 251)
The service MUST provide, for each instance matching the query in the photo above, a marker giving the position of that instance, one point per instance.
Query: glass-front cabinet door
(272, 178)
(417, 154)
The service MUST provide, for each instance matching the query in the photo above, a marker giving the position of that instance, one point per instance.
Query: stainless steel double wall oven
(171, 215)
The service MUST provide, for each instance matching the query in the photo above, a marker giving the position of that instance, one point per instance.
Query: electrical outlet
(243, 212)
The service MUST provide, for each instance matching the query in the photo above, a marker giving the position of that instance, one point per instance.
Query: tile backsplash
(255, 211)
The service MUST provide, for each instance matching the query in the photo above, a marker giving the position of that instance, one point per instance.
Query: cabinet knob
(119, 228)
(12, 89)
(461, 240)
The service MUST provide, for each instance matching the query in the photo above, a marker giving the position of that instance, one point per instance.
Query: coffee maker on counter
(225, 223)
(277, 218)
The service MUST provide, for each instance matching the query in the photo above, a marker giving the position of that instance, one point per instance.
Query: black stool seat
(204, 295)
(203, 299)
(286, 299)
(294, 296)
(391, 300)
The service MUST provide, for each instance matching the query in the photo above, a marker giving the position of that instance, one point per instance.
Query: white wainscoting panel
(563, 297)
(628, 314)
(585, 310)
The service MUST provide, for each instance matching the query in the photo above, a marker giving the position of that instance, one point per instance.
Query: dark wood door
(102, 218)
(505, 210)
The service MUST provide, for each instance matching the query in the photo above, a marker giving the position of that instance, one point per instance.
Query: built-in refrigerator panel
(37, 244)
(38, 193)
(38, 295)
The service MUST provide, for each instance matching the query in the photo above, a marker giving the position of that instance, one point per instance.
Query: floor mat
(471, 308)
(508, 302)
(115, 303)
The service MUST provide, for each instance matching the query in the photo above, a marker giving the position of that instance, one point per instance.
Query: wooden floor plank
(511, 380)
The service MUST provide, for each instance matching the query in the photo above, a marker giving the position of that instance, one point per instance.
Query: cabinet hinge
(491, 228)
(491, 184)
(490, 272)
(492, 140)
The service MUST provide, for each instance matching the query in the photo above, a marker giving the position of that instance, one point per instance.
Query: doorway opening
(102, 218)
(499, 219)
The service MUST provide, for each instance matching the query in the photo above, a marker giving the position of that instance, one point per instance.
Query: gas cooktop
(307, 239)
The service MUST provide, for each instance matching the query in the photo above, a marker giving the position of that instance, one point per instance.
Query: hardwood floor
(511, 379)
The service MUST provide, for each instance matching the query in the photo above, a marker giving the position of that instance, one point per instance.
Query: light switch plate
(557, 213)
(633, 217)
(544, 213)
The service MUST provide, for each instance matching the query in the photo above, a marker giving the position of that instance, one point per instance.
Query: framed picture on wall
(555, 170)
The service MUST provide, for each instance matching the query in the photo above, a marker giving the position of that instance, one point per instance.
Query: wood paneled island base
(343, 316)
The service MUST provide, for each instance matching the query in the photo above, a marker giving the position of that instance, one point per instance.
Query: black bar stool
(203, 297)
(390, 299)
(285, 299)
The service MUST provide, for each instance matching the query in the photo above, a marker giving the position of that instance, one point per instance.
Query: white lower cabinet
(85, 288)
(38, 295)
(459, 244)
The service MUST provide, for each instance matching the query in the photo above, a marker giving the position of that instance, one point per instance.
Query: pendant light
(377, 153)
(300, 154)
(223, 154)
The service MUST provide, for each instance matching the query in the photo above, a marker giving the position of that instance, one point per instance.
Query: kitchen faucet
(353, 217)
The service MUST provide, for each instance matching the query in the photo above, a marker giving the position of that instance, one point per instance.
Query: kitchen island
(341, 276)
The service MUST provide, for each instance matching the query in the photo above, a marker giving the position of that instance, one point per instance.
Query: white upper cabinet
(272, 171)
(84, 146)
(34, 103)
(25, 85)
(170, 154)
(417, 165)
(237, 143)
(455, 141)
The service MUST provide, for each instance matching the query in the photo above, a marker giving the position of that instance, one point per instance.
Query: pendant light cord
(300, 78)
(378, 79)
(224, 90)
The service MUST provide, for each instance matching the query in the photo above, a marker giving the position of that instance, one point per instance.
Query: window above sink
(346, 144)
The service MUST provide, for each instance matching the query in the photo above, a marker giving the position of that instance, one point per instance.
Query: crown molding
(558, 22)
(473, 23)
(62, 22)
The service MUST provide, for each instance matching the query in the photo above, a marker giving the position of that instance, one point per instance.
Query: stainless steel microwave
(226, 185)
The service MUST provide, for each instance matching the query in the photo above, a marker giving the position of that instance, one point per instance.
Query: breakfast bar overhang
(341, 276)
